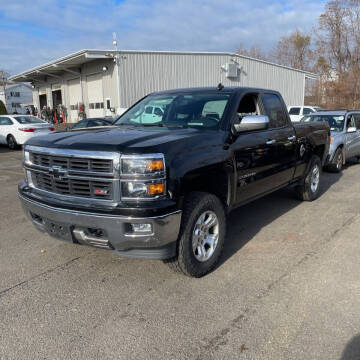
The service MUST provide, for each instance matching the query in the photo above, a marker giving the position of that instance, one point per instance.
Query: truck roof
(227, 89)
(330, 112)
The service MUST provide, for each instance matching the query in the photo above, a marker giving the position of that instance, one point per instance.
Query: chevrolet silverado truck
(162, 188)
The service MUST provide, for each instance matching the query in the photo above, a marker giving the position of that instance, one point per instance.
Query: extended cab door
(282, 133)
(262, 163)
(352, 138)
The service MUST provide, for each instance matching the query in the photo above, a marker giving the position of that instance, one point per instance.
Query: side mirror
(252, 122)
(351, 129)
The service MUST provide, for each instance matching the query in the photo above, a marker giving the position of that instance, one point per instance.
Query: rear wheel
(202, 235)
(12, 144)
(309, 188)
(337, 162)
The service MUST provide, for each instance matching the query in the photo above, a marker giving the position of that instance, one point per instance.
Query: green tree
(2, 108)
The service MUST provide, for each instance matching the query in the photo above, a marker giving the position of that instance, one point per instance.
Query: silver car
(345, 135)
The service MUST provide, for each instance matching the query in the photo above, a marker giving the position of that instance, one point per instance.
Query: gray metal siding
(141, 73)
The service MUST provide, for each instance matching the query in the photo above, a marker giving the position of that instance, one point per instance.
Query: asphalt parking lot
(287, 286)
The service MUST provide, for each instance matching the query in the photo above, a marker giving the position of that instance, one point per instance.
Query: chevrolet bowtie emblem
(57, 172)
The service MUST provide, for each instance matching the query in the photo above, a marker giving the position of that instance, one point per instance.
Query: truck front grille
(76, 187)
(89, 175)
(70, 163)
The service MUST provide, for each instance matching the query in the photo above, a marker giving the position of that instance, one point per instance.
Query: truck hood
(128, 140)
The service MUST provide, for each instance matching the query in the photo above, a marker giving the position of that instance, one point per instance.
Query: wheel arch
(217, 182)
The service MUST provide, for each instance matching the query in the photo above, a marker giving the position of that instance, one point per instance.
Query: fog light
(141, 228)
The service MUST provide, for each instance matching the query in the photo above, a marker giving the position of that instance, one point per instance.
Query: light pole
(116, 60)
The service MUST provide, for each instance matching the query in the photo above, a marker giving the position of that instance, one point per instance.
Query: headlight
(142, 164)
(143, 189)
(143, 177)
(26, 156)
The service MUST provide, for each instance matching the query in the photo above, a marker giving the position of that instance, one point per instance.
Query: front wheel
(202, 235)
(309, 187)
(12, 144)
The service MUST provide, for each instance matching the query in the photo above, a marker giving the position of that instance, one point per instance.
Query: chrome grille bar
(93, 176)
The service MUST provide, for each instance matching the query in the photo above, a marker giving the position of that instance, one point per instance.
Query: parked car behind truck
(162, 190)
(297, 112)
(15, 130)
(345, 135)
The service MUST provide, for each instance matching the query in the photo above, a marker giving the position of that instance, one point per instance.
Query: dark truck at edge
(160, 185)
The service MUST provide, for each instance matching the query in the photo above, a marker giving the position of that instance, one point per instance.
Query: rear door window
(357, 121)
(274, 110)
(350, 121)
(307, 111)
(148, 110)
(294, 111)
(5, 121)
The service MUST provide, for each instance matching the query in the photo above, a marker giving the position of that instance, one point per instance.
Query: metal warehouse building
(108, 81)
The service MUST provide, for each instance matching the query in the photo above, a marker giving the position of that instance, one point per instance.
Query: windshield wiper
(164, 125)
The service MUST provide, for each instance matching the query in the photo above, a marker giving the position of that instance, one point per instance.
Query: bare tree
(254, 51)
(294, 51)
(338, 49)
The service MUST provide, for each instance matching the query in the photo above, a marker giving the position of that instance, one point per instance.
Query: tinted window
(336, 122)
(158, 112)
(357, 121)
(274, 110)
(97, 122)
(295, 111)
(350, 121)
(80, 124)
(5, 121)
(307, 111)
(28, 120)
(148, 110)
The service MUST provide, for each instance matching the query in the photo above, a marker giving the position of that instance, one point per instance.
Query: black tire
(196, 205)
(337, 161)
(12, 144)
(306, 190)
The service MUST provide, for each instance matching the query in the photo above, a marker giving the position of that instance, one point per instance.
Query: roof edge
(102, 52)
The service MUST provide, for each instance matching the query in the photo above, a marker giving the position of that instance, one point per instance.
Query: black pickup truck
(160, 182)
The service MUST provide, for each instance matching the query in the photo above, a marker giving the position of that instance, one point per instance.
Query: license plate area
(58, 230)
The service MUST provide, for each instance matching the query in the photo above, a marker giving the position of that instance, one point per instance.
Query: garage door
(74, 98)
(95, 95)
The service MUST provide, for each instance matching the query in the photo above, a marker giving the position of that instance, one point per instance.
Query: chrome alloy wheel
(315, 179)
(205, 236)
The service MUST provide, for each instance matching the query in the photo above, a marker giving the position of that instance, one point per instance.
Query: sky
(33, 32)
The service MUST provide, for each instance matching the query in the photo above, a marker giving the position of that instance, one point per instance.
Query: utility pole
(117, 62)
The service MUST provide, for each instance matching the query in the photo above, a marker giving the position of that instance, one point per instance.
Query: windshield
(80, 124)
(198, 110)
(28, 120)
(336, 122)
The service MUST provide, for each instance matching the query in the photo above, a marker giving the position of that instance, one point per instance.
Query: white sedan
(16, 129)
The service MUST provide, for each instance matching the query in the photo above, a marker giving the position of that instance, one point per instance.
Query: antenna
(115, 41)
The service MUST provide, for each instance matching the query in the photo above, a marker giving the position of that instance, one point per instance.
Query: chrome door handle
(292, 138)
(270, 142)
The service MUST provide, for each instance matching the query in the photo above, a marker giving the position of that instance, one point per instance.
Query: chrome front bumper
(106, 231)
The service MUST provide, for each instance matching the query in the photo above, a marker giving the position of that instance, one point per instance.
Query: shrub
(3, 110)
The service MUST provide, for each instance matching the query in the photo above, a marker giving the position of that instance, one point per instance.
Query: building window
(15, 105)
(15, 93)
